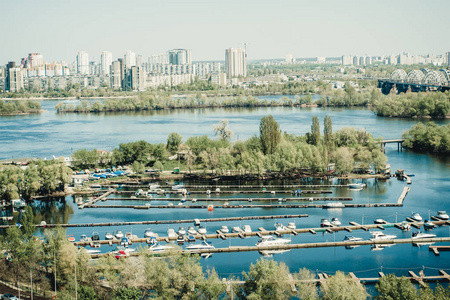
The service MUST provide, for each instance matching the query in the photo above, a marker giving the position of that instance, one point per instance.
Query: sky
(59, 28)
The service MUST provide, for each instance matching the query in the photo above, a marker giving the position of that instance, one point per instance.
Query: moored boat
(442, 214)
(202, 229)
(191, 230)
(224, 229)
(428, 225)
(181, 230)
(416, 217)
(83, 238)
(109, 236)
(247, 228)
(278, 226)
(334, 205)
(203, 245)
(171, 233)
(325, 223)
(350, 238)
(378, 235)
(335, 222)
(270, 240)
(118, 234)
(356, 185)
(422, 235)
(148, 233)
(236, 229)
(291, 225)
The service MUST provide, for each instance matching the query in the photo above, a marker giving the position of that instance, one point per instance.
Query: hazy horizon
(58, 29)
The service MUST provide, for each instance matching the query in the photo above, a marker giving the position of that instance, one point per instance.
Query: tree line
(11, 107)
(347, 148)
(38, 177)
(428, 137)
(52, 264)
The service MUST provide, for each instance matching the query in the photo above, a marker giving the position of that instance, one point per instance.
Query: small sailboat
(428, 225)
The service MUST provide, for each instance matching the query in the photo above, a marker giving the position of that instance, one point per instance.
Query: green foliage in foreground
(18, 107)
(428, 138)
(39, 177)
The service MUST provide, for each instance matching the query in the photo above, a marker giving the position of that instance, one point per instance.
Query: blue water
(58, 134)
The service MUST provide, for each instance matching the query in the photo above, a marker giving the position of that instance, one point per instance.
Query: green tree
(269, 134)
(340, 287)
(86, 293)
(314, 136)
(130, 293)
(85, 159)
(266, 280)
(307, 289)
(174, 140)
(328, 131)
(391, 287)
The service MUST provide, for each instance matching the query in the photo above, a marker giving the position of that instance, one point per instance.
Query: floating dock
(235, 199)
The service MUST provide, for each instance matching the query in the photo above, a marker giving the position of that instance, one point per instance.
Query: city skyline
(326, 28)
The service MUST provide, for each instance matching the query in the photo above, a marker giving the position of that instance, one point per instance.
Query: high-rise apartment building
(116, 75)
(82, 63)
(106, 61)
(289, 58)
(130, 59)
(235, 62)
(447, 55)
(14, 78)
(347, 60)
(180, 57)
(162, 58)
(34, 60)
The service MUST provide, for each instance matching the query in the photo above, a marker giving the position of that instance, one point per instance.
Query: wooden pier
(436, 249)
(403, 195)
(236, 199)
(94, 200)
(241, 206)
(218, 192)
(159, 222)
(262, 231)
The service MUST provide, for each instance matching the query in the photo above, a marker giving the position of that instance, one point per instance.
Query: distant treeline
(428, 137)
(12, 107)
(153, 102)
(432, 104)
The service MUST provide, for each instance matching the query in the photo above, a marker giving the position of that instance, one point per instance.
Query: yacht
(109, 236)
(334, 205)
(191, 230)
(335, 222)
(442, 214)
(378, 235)
(92, 251)
(203, 245)
(325, 223)
(278, 226)
(291, 225)
(181, 230)
(119, 234)
(224, 229)
(380, 221)
(236, 229)
(180, 240)
(202, 229)
(124, 242)
(171, 233)
(148, 233)
(269, 240)
(247, 228)
(422, 235)
(416, 217)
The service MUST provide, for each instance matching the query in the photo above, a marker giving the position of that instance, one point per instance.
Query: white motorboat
(159, 248)
(291, 225)
(92, 251)
(428, 225)
(334, 205)
(416, 217)
(84, 238)
(422, 235)
(148, 233)
(236, 229)
(380, 236)
(181, 230)
(380, 221)
(203, 245)
(405, 226)
(118, 234)
(269, 240)
(350, 238)
(325, 223)
(335, 222)
(202, 229)
(442, 214)
(247, 228)
(224, 229)
(171, 233)
(270, 253)
(359, 186)
(124, 249)
(108, 236)
(177, 187)
(95, 236)
(278, 226)
(191, 230)
(180, 240)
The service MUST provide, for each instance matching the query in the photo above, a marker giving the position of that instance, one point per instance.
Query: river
(50, 134)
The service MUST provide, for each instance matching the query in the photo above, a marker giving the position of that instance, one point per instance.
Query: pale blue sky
(59, 28)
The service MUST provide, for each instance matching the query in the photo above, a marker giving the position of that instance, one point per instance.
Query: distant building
(116, 75)
(447, 55)
(34, 60)
(289, 58)
(129, 59)
(106, 61)
(162, 58)
(14, 78)
(235, 62)
(136, 80)
(82, 63)
(347, 60)
(139, 60)
(218, 78)
(320, 59)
